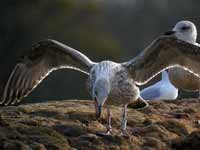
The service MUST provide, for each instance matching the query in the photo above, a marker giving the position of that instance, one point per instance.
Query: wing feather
(46, 56)
(164, 52)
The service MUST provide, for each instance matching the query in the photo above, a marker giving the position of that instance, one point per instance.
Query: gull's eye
(185, 28)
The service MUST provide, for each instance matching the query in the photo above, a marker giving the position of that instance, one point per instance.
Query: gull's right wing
(46, 56)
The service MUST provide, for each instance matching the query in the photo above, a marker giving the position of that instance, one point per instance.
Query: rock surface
(71, 124)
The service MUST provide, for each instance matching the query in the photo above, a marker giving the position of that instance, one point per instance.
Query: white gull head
(186, 31)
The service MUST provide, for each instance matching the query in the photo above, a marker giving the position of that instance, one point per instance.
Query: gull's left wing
(164, 52)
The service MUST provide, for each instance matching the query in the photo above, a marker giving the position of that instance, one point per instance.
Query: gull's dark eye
(185, 28)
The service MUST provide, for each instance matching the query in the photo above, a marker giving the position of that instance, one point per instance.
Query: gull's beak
(170, 32)
(98, 113)
(98, 109)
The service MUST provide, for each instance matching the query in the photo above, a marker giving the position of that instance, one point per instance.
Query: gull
(162, 90)
(109, 82)
(180, 78)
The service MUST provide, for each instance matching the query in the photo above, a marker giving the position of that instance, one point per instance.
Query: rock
(70, 130)
(192, 141)
(71, 124)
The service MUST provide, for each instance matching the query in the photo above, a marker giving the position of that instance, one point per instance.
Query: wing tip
(47, 41)
(43, 43)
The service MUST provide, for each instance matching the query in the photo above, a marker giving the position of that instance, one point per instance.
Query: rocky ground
(71, 124)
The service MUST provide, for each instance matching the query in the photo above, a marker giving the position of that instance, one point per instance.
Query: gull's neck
(187, 37)
(105, 70)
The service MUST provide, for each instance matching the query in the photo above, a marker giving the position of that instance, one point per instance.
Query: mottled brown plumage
(164, 52)
(184, 80)
(31, 69)
(124, 90)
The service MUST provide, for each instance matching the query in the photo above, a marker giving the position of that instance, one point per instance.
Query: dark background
(102, 29)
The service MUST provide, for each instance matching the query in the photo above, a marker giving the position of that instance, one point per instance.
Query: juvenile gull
(162, 90)
(109, 82)
(180, 78)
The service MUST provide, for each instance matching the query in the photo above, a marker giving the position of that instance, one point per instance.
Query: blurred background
(102, 29)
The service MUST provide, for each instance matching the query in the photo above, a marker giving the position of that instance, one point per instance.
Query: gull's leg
(124, 121)
(109, 127)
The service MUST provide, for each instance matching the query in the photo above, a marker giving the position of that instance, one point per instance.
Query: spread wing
(46, 56)
(164, 52)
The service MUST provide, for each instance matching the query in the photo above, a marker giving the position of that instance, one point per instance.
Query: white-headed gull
(162, 90)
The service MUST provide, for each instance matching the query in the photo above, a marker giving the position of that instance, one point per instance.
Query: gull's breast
(123, 89)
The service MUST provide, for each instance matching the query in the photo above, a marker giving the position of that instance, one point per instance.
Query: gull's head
(184, 30)
(100, 92)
